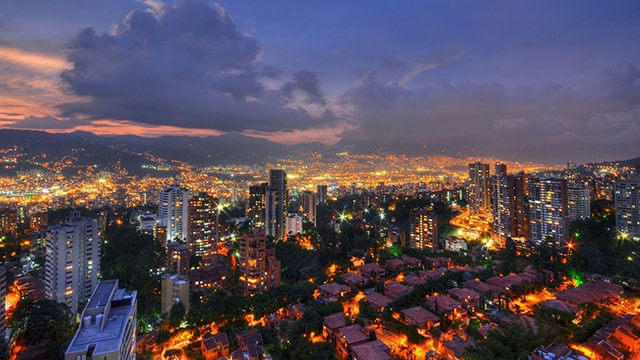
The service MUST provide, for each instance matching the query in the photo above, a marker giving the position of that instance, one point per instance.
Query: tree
(176, 314)
(436, 333)
(128, 255)
(303, 350)
(163, 336)
(45, 323)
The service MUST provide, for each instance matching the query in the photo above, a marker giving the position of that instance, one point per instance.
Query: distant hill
(83, 148)
(132, 152)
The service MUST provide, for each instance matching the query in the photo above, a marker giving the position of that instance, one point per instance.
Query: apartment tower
(173, 205)
(72, 260)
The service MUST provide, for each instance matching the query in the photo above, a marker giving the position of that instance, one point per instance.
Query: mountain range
(131, 152)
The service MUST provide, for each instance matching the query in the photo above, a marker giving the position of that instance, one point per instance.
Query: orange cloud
(327, 136)
(110, 127)
(34, 61)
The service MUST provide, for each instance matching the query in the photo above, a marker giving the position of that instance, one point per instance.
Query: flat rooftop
(105, 329)
(102, 294)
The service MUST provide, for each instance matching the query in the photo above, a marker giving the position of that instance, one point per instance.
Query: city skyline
(539, 81)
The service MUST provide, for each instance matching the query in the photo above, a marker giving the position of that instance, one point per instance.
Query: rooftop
(335, 321)
(103, 327)
(378, 300)
(334, 289)
(592, 291)
(560, 306)
(420, 315)
(374, 350)
(353, 334)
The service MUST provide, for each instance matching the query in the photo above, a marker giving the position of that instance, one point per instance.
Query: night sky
(546, 81)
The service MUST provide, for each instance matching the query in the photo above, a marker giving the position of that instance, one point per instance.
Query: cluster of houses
(457, 303)
(250, 346)
(472, 297)
(353, 340)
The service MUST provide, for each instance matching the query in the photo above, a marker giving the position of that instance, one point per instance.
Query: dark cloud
(306, 82)
(186, 65)
(495, 117)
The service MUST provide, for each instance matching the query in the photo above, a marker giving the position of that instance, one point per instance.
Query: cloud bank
(510, 121)
(189, 65)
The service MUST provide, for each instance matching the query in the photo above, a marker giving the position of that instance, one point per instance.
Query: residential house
(214, 346)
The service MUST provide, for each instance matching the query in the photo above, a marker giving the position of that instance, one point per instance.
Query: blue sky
(535, 80)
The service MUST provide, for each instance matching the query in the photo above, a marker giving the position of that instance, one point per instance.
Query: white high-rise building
(108, 326)
(294, 224)
(548, 219)
(627, 198)
(173, 205)
(72, 260)
(578, 202)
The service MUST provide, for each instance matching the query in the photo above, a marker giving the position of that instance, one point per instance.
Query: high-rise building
(259, 268)
(520, 211)
(107, 328)
(308, 200)
(508, 204)
(423, 227)
(257, 205)
(3, 298)
(203, 224)
(8, 220)
(72, 260)
(479, 186)
(627, 201)
(173, 204)
(294, 224)
(578, 202)
(548, 215)
(38, 221)
(175, 288)
(321, 198)
(178, 258)
(277, 204)
(500, 201)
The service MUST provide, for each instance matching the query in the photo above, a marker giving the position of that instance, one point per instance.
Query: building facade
(321, 195)
(3, 298)
(548, 215)
(203, 224)
(8, 220)
(627, 202)
(107, 328)
(479, 187)
(175, 288)
(173, 205)
(277, 202)
(257, 204)
(294, 224)
(259, 268)
(508, 199)
(308, 202)
(423, 227)
(578, 202)
(72, 260)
